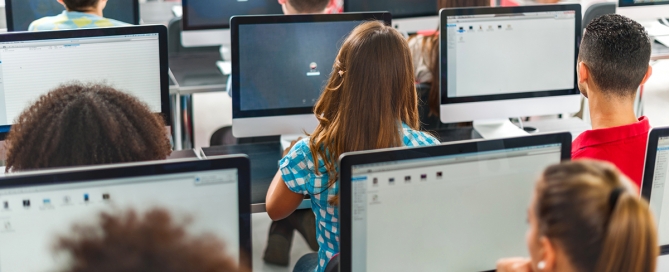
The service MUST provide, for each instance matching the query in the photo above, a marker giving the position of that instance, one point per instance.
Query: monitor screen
(20, 13)
(472, 208)
(211, 14)
(32, 64)
(508, 55)
(35, 216)
(295, 66)
(659, 191)
(398, 8)
(627, 3)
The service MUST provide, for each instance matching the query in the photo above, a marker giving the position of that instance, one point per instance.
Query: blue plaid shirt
(298, 171)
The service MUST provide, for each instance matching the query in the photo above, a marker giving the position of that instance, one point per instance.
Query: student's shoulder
(106, 22)
(414, 137)
(44, 23)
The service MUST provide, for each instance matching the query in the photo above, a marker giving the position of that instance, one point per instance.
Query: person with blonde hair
(585, 216)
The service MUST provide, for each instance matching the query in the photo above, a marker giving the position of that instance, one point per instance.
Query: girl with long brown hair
(368, 103)
(586, 217)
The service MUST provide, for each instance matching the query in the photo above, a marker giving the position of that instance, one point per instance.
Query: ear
(61, 2)
(548, 253)
(583, 72)
(647, 76)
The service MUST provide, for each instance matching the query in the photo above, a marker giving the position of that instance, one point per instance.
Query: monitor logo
(26, 203)
(313, 69)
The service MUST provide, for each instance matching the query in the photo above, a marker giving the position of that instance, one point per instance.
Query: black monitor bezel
(396, 16)
(622, 4)
(87, 174)
(10, 16)
(444, 13)
(236, 21)
(185, 20)
(649, 168)
(347, 161)
(101, 32)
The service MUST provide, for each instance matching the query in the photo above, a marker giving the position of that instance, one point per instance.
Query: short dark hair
(85, 124)
(309, 6)
(151, 242)
(80, 5)
(616, 50)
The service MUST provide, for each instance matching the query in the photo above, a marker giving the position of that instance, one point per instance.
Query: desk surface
(197, 72)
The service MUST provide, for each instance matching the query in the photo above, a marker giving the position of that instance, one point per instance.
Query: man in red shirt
(613, 62)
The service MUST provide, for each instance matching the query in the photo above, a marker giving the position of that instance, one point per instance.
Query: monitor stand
(498, 128)
(286, 140)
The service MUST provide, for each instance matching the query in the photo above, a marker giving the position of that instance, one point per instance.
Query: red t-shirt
(624, 146)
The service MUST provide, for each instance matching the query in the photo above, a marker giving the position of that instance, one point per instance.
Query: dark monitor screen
(20, 13)
(283, 65)
(304, 51)
(398, 8)
(212, 14)
(628, 3)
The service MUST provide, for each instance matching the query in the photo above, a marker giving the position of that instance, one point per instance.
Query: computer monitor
(207, 22)
(458, 207)
(280, 65)
(644, 10)
(409, 16)
(20, 13)
(132, 59)
(39, 207)
(655, 186)
(505, 62)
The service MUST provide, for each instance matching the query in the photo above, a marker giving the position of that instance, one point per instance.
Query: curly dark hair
(80, 5)
(132, 243)
(81, 124)
(616, 49)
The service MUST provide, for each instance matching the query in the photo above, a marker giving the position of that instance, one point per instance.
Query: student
(425, 54)
(368, 103)
(131, 242)
(77, 14)
(291, 7)
(586, 217)
(281, 232)
(85, 124)
(613, 62)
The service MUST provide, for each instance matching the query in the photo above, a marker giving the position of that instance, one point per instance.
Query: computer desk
(265, 161)
(191, 73)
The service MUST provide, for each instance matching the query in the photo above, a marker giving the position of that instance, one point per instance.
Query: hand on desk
(514, 265)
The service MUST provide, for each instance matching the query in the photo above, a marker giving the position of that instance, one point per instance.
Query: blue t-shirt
(73, 20)
(298, 171)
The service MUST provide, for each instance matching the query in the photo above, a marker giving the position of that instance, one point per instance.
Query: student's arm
(280, 201)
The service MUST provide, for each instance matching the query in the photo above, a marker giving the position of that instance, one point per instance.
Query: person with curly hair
(131, 242)
(81, 124)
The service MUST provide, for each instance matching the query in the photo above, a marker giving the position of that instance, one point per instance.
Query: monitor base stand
(498, 128)
(286, 140)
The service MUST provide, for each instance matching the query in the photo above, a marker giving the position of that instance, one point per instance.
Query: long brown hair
(81, 124)
(369, 94)
(588, 208)
(430, 45)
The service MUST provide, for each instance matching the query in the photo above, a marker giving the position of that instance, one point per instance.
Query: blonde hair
(589, 209)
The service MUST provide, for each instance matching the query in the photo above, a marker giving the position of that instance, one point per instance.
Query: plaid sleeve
(295, 169)
(414, 138)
